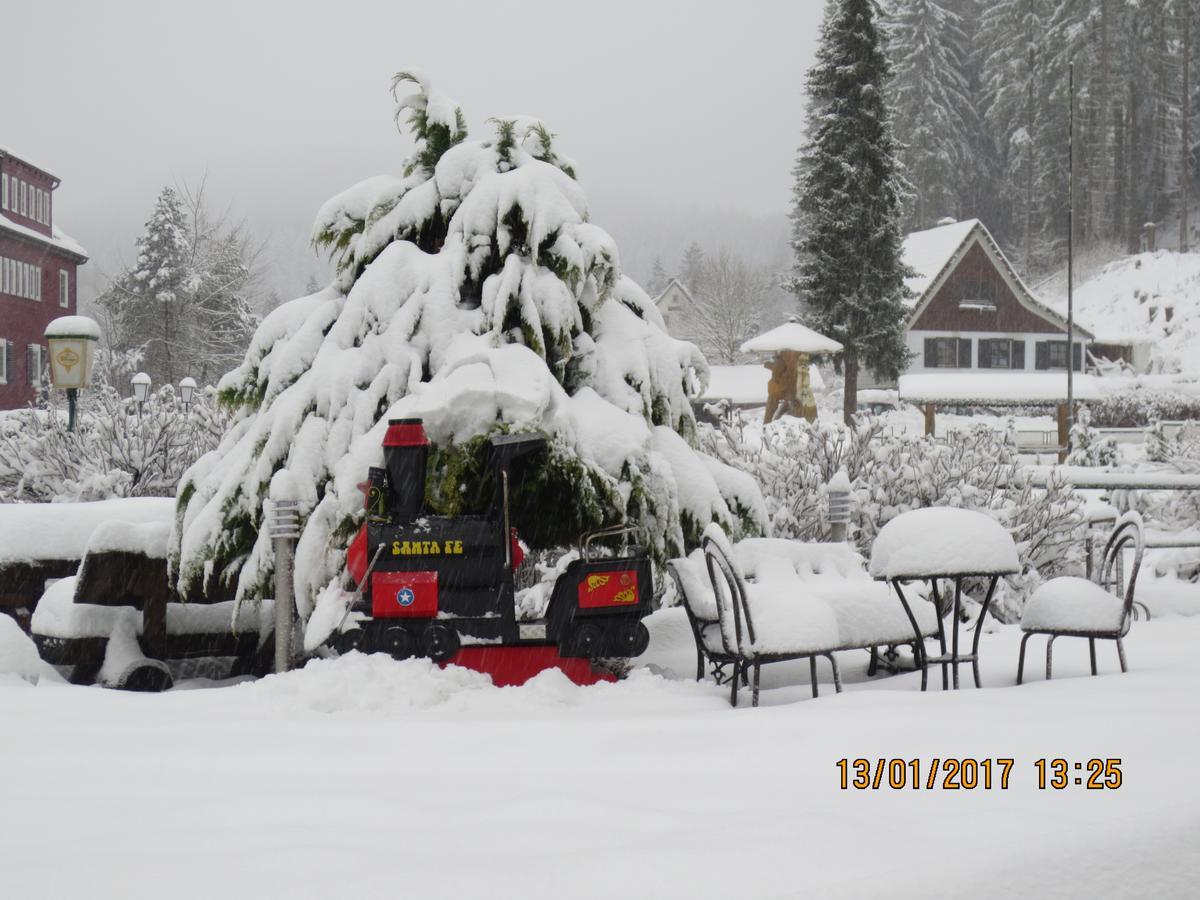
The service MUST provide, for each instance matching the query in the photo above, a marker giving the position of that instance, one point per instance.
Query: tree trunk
(850, 397)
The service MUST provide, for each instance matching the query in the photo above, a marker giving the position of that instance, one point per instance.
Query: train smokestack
(405, 455)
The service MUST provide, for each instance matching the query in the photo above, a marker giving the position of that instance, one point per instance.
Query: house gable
(978, 291)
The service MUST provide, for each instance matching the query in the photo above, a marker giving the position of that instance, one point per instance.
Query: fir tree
(933, 111)
(691, 271)
(658, 278)
(847, 196)
(473, 293)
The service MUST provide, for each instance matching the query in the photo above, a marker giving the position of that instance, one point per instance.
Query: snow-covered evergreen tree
(658, 278)
(847, 196)
(691, 270)
(473, 292)
(933, 110)
(184, 304)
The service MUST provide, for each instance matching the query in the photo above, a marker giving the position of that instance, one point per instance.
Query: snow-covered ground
(364, 777)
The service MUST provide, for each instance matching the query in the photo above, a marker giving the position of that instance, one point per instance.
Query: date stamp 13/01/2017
(968, 774)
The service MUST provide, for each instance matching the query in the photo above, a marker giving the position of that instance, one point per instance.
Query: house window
(4, 191)
(1001, 353)
(24, 199)
(947, 353)
(64, 288)
(4, 354)
(1053, 355)
(36, 362)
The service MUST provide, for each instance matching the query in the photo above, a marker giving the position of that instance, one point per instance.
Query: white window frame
(64, 288)
(3, 361)
(37, 283)
(25, 199)
(3, 192)
(35, 376)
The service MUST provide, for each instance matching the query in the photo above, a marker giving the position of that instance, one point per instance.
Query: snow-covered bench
(766, 600)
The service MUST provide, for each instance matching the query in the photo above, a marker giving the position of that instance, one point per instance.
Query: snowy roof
(747, 384)
(791, 336)
(8, 151)
(73, 326)
(997, 388)
(927, 253)
(931, 253)
(59, 240)
(943, 540)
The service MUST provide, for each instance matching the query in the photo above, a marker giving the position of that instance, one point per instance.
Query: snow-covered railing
(1083, 477)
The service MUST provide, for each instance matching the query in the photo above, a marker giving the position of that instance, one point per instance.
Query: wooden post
(929, 419)
(1064, 431)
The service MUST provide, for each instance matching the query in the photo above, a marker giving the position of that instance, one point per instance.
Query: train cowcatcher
(444, 587)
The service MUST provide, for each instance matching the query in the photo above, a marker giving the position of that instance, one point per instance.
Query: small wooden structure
(790, 389)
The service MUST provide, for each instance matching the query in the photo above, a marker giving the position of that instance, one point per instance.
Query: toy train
(444, 587)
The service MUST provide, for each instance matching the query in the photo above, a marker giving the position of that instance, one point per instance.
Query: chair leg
(745, 676)
(1092, 653)
(837, 674)
(873, 665)
(1021, 658)
(812, 673)
(737, 671)
(1121, 654)
(757, 670)
(699, 665)
(1049, 655)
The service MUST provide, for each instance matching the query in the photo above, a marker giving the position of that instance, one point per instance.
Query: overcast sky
(683, 117)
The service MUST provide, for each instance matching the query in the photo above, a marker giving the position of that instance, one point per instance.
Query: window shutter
(985, 361)
(1077, 357)
(1042, 355)
(930, 353)
(29, 365)
(1018, 355)
(964, 353)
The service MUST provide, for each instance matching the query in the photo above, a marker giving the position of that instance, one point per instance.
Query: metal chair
(1075, 607)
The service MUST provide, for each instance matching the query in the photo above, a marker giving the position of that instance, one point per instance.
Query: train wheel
(586, 641)
(397, 642)
(630, 639)
(349, 640)
(439, 642)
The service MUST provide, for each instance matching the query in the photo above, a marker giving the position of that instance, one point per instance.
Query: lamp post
(72, 341)
(141, 390)
(187, 387)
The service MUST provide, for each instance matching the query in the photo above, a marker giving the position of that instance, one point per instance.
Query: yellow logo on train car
(427, 548)
(629, 595)
(596, 581)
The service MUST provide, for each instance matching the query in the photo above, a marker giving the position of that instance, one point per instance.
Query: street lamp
(141, 389)
(72, 341)
(187, 387)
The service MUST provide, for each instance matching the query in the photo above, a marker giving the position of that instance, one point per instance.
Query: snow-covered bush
(1140, 407)
(793, 462)
(1087, 447)
(471, 291)
(115, 450)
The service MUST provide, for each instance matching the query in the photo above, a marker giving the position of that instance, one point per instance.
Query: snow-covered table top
(997, 388)
(45, 531)
(791, 336)
(942, 542)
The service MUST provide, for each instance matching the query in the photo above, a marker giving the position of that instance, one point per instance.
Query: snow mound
(19, 660)
(942, 540)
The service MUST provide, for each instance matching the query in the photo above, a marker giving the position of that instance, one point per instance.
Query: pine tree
(473, 293)
(847, 196)
(691, 271)
(933, 112)
(658, 278)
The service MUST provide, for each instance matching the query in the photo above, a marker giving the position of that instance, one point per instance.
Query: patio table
(944, 543)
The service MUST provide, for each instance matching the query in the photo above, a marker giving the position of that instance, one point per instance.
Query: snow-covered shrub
(472, 291)
(793, 462)
(115, 450)
(1087, 447)
(1139, 407)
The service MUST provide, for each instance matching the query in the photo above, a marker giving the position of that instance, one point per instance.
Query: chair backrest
(737, 629)
(1127, 533)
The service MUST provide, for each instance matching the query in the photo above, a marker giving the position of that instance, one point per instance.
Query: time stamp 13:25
(967, 774)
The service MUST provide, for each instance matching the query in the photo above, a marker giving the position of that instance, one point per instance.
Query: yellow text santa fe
(427, 548)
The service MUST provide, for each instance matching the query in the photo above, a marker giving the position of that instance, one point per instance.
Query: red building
(37, 276)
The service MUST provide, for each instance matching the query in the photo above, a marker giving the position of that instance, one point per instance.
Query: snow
(1010, 388)
(1072, 604)
(59, 240)
(73, 326)
(927, 252)
(147, 538)
(35, 531)
(942, 541)
(747, 385)
(791, 336)
(840, 482)
(291, 786)
(19, 657)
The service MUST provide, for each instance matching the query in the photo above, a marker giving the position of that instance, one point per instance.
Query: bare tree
(732, 301)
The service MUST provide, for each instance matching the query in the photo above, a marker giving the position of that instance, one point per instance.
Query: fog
(684, 118)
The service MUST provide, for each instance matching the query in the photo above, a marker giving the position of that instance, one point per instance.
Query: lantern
(72, 341)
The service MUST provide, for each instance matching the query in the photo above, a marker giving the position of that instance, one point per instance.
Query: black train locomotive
(443, 587)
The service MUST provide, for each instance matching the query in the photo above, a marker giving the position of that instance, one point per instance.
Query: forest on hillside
(980, 101)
